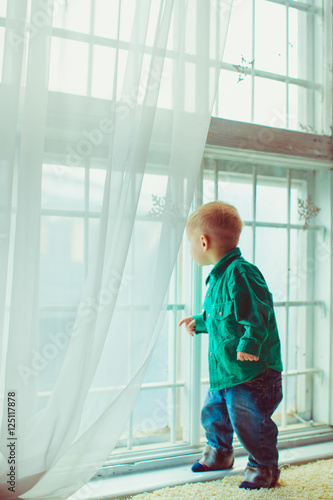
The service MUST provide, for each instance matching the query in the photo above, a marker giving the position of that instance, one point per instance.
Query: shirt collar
(223, 263)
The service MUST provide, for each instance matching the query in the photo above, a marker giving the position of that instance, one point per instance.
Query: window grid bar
(121, 307)
(86, 218)
(131, 321)
(300, 303)
(287, 64)
(252, 69)
(254, 213)
(274, 76)
(171, 307)
(145, 387)
(180, 384)
(285, 357)
(196, 303)
(91, 48)
(282, 225)
(216, 180)
(96, 215)
(173, 421)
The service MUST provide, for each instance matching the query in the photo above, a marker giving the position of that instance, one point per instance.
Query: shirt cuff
(249, 346)
(200, 325)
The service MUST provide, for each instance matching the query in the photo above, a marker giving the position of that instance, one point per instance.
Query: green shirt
(239, 316)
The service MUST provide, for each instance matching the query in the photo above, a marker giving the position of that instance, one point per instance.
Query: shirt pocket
(222, 310)
(223, 320)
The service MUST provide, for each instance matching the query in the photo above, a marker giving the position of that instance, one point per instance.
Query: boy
(244, 349)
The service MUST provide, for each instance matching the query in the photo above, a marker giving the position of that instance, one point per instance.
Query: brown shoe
(214, 459)
(259, 477)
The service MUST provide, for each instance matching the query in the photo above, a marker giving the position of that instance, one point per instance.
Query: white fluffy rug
(313, 481)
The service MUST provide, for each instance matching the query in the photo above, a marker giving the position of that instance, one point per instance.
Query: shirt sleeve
(253, 308)
(200, 323)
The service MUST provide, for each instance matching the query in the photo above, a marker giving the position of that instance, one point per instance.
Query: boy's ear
(204, 242)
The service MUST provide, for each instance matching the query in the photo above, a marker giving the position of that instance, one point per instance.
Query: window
(166, 417)
(273, 70)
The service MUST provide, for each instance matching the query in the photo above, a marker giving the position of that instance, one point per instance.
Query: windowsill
(123, 486)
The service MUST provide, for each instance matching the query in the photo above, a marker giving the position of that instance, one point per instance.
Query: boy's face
(197, 246)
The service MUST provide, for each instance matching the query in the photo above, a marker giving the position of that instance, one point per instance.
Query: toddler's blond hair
(220, 221)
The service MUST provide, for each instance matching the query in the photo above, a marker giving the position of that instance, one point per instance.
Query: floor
(123, 486)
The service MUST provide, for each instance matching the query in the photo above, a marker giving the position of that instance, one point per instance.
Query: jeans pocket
(276, 392)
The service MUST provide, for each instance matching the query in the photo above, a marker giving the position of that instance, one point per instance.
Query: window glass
(73, 15)
(238, 191)
(106, 18)
(103, 72)
(272, 196)
(270, 37)
(271, 258)
(2, 43)
(96, 188)
(239, 38)
(234, 96)
(270, 103)
(69, 66)
(61, 260)
(3, 8)
(63, 187)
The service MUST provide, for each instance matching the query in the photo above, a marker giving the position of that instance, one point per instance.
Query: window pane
(106, 18)
(208, 191)
(270, 38)
(96, 189)
(165, 93)
(55, 330)
(270, 103)
(189, 87)
(158, 370)
(152, 197)
(305, 34)
(302, 105)
(246, 243)
(2, 44)
(73, 15)
(300, 274)
(238, 191)
(298, 43)
(3, 8)
(150, 414)
(271, 258)
(61, 260)
(240, 23)
(232, 91)
(68, 66)
(63, 187)
(272, 199)
(103, 72)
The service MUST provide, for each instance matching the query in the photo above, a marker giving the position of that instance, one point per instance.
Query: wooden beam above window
(233, 134)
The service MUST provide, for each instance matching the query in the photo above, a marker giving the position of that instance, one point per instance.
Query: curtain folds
(103, 127)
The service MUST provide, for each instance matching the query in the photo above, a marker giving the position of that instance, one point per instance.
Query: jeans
(246, 409)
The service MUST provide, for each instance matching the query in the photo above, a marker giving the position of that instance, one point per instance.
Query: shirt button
(211, 354)
(209, 315)
(220, 314)
(208, 295)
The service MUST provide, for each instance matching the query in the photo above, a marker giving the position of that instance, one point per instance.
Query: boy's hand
(189, 324)
(243, 356)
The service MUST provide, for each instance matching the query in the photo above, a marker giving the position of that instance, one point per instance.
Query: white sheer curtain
(105, 107)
